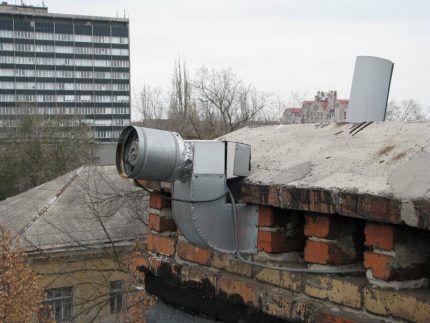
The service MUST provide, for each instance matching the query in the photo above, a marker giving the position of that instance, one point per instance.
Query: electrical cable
(283, 268)
(160, 194)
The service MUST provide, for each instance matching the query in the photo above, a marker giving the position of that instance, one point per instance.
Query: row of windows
(63, 37)
(63, 86)
(64, 74)
(63, 98)
(109, 134)
(63, 61)
(106, 123)
(64, 49)
(72, 121)
(114, 134)
(67, 110)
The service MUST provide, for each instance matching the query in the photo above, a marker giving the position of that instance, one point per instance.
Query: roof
(294, 110)
(86, 207)
(42, 12)
(387, 160)
(363, 162)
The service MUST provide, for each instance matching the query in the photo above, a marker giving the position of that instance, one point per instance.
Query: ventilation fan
(199, 171)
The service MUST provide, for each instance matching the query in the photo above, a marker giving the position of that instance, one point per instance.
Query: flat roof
(40, 12)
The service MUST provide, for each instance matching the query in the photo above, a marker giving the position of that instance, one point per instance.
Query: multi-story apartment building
(73, 65)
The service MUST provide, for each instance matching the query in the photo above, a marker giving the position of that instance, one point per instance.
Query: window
(45, 73)
(7, 98)
(82, 38)
(119, 40)
(24, 34)
(59, 302)
(24, 47)
(121, 110)
(7, 72)
(69, 98)
(116, 295)
(83, 50)
(120, 87)
(120, 63)
(119, 51)
(121, 98)
(6, 33)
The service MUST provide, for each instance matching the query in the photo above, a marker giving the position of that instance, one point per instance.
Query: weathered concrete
(362, 163)
(409, 181)
(383, 168)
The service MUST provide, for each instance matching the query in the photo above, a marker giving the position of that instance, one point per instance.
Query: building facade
(326, 107)
(292, 116)
(82, 255)
(61, 64)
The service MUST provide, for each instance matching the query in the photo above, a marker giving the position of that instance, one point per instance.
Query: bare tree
(273, 111)
(180, 105)
(221, 96)
(296, 99)
(407, 110)
(149, 102)
(210, 103)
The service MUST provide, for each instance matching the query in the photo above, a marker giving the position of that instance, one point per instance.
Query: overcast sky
(278, 45)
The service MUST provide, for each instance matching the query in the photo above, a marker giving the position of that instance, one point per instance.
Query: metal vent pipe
(152, 154)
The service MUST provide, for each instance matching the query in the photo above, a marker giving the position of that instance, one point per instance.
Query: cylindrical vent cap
(151, 154)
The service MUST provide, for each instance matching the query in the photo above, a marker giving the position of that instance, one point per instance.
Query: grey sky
(278, 45)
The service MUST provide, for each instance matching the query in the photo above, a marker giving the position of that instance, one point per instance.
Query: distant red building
(292, 115)
(326, 107)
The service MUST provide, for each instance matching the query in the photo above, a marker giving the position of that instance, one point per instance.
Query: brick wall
(394, 285)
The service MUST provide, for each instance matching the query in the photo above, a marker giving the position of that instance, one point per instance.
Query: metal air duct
(199, 171)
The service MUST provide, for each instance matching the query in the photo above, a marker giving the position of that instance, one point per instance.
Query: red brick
(328, 253)
(161, 244)
(161, 223)
(158, 202)
(270, 217)
(320, 201)
(238, 290)
(328, 316)
(380, 265)
(380, 236)
(317, 252)
(154, 185)
(372, 207)
(278, 241)
(273, 196)
(195, 254)
(266, 217)
(329, 227)
(317, 226)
